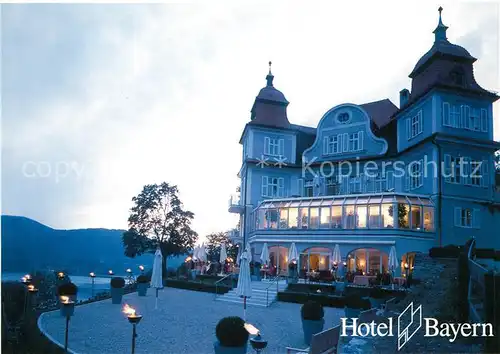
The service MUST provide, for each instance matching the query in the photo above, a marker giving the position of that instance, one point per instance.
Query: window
(416, 175)
(283, 219)
(416, 214)
(350, 218)
(475, 173)
(374, 219)
(325, 218)
(273, 186)
(272, 217)
(332, 186)
(403, 215)
(387, 216)
(355, 141)
(304, 218)
(428, 219)
(465, 117)
(274, 146)
(314, 218)
(336, 217)
(453, 168)
(467, 217)
(446, 114)
(457, 77)
(343, 117)
(293, 218)
(414, 125)
(455, 117)
(309, 188)
(333, 144)
(362, 213)
(355, 184)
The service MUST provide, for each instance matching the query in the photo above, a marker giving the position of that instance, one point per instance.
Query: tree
(214, 241)
(497, 160)
(158, 219)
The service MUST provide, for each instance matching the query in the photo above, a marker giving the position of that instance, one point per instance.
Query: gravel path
(184, 323)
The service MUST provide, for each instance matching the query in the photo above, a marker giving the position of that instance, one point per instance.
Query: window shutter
(421, 176)
(300, 186)
(467, 170)
(281, 147)
(447, 167)
(446, 114)
(339, 147)
(458, 216)
(344, 185)
(267, 143)
(390, 180)
(407, 181)
(360, 137)
(466, 116)
(265, 187)
(408, 128)
(325, 145)
(345, 142)
(281, 187)
(485, 180)
(484, 120)
(322, 186)
(476, 218)
(421, 122)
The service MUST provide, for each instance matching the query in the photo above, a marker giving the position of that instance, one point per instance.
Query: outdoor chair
(325, 342)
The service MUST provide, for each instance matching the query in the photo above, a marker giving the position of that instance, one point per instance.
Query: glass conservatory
(374, 211)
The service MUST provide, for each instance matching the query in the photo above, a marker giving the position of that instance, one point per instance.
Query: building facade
(371, 176)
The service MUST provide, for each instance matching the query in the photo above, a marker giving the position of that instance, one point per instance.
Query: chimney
(404, 96)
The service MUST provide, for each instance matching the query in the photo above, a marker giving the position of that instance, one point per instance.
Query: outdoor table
(363, 279)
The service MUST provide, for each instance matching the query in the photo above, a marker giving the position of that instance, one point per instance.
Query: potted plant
(377, 297)
(312, 314)
(354, 304)
(117, 284)
(232, 337)
(142, 284)
(70, 290)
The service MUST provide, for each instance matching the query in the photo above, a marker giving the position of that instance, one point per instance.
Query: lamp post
(92, 276)
(110, 272)
(258, 344)
(68, 308)
(406, 273)
(134, 319)
(130, 277)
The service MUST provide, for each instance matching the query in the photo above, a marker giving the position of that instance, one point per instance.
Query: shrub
(356, 302)
(230, 332)
(117, 282)
(143, 279)
(67, 289)
(312, 310)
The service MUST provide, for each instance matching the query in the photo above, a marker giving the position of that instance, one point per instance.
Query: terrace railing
(273, 283)
(225, 281)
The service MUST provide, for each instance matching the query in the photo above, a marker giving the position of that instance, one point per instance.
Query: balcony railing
(234, 235)
(235, 205)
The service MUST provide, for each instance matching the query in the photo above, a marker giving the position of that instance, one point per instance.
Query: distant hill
(28, 245)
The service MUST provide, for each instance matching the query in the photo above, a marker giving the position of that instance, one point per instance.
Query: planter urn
(219, 349)
(311, 327)
(142, 289)
(116, 295)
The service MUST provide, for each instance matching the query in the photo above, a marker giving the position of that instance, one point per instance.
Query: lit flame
(129, 270)
(60, 274)
(27, 276)
(110, 271)
(31, 287)
(188, 259)
(141, 267)
(23, 279)
(92, 274)
(251, 329)
(129, 311)
(64, 299)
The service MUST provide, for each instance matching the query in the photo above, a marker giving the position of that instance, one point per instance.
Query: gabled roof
(380, 112)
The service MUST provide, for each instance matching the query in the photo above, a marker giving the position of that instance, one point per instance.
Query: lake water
(84, 283)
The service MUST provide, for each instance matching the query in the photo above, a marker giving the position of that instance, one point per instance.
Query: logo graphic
(409, 322)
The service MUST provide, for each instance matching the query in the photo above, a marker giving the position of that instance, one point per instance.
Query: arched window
(457, 76)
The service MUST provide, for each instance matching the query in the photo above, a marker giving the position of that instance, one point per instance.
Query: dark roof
(380, 112)
(442, 48)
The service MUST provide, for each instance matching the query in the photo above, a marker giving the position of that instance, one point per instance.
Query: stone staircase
(259, 294)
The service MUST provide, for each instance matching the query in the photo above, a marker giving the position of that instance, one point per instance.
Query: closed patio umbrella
(393, 261)
(202, 253)
(240, 250)
(293, 255)
(336, 255)
(244, 288)
(223, 253)
(157, 275)
(264, 257)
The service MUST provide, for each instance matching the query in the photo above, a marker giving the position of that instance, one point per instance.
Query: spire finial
(440, 31)
(270, 76)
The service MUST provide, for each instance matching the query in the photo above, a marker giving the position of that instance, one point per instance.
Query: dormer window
(343, 117)
(457, 77)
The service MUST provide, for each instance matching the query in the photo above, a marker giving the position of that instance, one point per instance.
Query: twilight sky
(99, 100)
